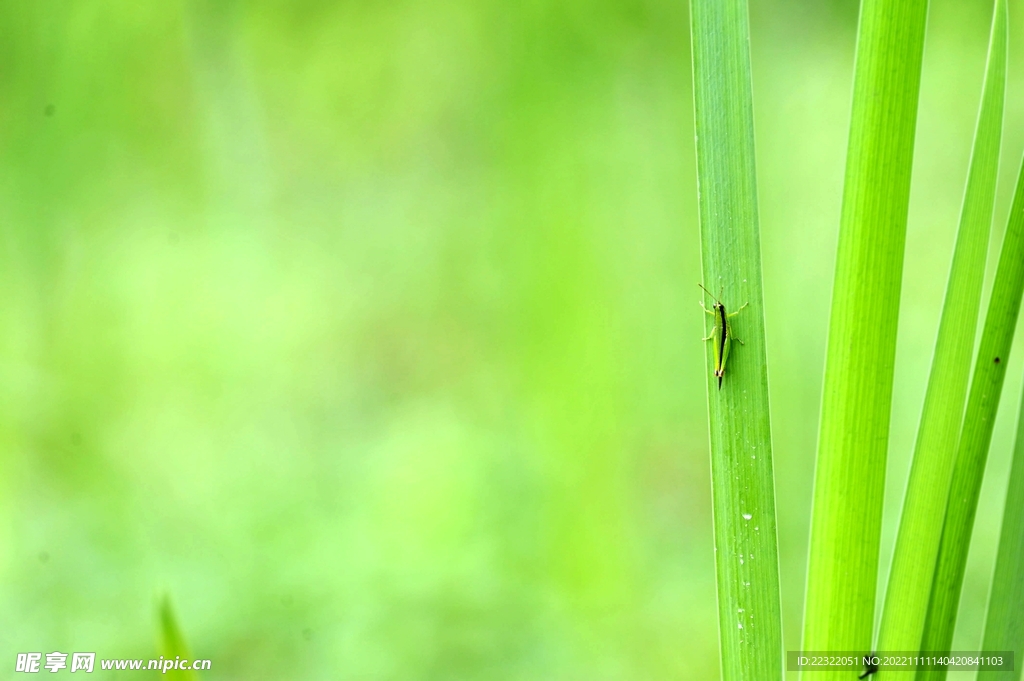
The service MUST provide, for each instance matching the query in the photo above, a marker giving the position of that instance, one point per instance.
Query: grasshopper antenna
(709, 293)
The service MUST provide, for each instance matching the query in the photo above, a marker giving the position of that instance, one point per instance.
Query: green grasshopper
(721, 334)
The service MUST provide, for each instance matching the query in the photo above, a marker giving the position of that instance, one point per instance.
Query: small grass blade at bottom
(172, 643)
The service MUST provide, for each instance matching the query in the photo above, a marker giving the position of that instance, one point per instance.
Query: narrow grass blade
(972, 452)
(1004, 626)
(746, 549)
(850, 475)
(172, 643)
(924, 506)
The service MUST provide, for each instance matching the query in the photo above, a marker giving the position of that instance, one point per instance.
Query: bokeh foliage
(369, 331)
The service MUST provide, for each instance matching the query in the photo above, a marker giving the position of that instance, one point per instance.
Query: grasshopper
(721, 334)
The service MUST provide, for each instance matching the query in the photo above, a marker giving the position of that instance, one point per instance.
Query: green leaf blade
(1004, 624)
(860, 356)
(746, 548)
(979, 418)
(924, 508)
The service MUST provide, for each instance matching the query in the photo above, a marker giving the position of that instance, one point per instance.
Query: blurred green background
(369, 330)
